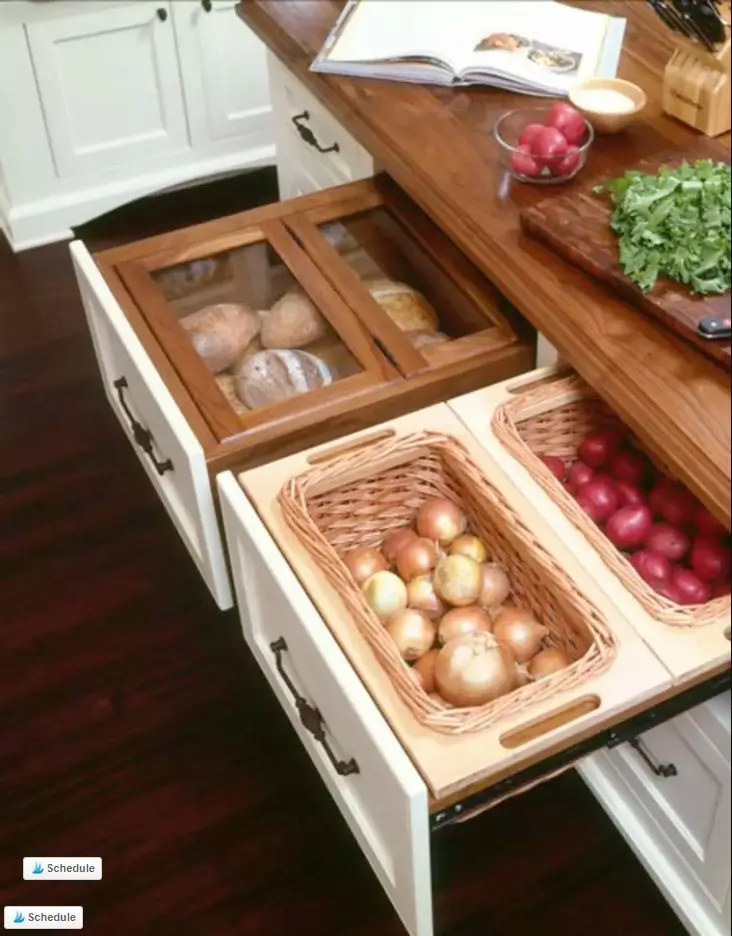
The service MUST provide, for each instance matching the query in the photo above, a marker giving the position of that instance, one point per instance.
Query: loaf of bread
(335, 355)
(275, 375)
(406, 307)
(426, 339)
(220, 333)
(293, 321)
(227, 385)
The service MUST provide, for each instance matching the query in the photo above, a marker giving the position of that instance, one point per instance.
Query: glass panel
(403, 279)
(254, 327)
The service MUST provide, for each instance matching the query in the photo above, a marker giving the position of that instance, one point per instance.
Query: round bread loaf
(293, 321)
(426, 339)
(405, 306)
(227, 386)
(220, 333)
(272, 376)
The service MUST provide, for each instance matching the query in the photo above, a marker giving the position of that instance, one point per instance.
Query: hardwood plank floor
(135, 726)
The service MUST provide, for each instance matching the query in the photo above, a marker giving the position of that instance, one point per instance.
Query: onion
(520, 632)
(629, 494)
(629, 465)
(580, 474)
(474, 670)
(689, 587)
(548, 662)
(440, 520)
(457, 580)
(652, 567)
(425, 668)
(710, 557)
(597, 447)
(468, 545)
(395, 541)
(629, 526)
(363, 562)
(436, 697)
(495, 586)
(555, 465)
(417, 557)
(668, 540)
(673, 502)
(385, 594)
(706, 522)
(421, 596)
(461, 621)
(598, 497)
(412, 632)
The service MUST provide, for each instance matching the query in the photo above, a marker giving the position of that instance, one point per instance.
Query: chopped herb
(674, 224)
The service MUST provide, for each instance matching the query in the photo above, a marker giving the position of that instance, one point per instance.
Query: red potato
(529, 134)
(690, 588)
(568, 120)
(652, 567)
(524, 162)
(721, 589)
(710, 557)
(669, 541)
(598, 498)
(547, 145)
(555, 465)
(580, 474)
(706, 522)
(628, 527)
(629, 494)
(629, 465)
(567, 165)
(597, 447)
(672, 502)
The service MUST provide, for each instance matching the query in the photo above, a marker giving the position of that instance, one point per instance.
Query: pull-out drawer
(461, 774)
(249, 337)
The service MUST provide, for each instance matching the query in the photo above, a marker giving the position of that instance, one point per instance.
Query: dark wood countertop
(437, 144)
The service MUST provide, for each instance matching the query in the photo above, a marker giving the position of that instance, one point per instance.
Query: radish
(548, 146)
(668, 540)
(652, 567)
(629, 494)
(629, 465)
(710, 557)
(628, 527)
(567, 165)
(691, 589)
(555, 465)
(567, 119)
(580, 474)
(598, 498)
(673, 502)
(529, 134)
(597, 447)
(524, 163)
(706, 522)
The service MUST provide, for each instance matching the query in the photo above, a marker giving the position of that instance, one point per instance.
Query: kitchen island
(438, 145)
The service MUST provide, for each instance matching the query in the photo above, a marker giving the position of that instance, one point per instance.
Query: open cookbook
(530, 46)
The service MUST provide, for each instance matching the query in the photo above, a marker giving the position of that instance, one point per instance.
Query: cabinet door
(224, 68)
(110, 86)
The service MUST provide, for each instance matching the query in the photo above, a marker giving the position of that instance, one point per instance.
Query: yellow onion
(363, 561)
(474, 670)
(425, 670)
(421, 595)
(457, 580)
(385, 594)
(519, 631)
(417, 557)
(461, 621)
(395, 541)
(436, 697)
(440, 520)
(495, 586)
(469, 545)
(412, 632)
(548, 662)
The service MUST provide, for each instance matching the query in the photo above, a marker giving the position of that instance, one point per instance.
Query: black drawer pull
(309, 137)
(162, 14)
(310, 717)
(660, 770)
(141, 435)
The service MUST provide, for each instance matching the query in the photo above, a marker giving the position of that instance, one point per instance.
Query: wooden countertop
(437, 144)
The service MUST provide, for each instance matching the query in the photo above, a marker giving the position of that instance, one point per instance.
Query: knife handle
(712, 327)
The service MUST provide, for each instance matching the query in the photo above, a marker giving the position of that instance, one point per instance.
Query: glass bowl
(550, 170)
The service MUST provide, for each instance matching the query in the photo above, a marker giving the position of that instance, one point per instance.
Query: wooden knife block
(696, 87)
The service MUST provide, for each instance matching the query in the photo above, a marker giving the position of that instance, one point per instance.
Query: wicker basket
(529, 425)
(358, 498)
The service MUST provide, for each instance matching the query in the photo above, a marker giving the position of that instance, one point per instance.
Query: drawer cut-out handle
(310, 717)
(659, 770)
(355, 445)
(307, 135)
(141, 435)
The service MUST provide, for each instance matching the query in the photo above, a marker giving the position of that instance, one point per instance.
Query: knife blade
(663, 14)
(675, 17)
(688, 10)
(712, 19)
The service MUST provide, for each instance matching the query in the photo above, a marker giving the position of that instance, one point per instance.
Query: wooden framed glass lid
(255, 331)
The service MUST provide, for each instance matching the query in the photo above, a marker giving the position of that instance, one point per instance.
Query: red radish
(721, 589)
(528, 135)
(597, 447)
(691, 589)
(555, 465)
(548, 144)
(629, 526)
(668, 540)
(629, 494)
(710, 557)
(673, 502)
(629, 465)
(523, 162)
(580, 474)
(567, 119)
(652, 567)
(567, 165)
(598, 498)
(706, 522)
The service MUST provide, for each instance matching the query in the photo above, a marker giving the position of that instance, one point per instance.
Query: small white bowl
(607, 121)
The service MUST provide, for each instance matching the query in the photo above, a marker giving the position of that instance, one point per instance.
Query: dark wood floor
(134, 725)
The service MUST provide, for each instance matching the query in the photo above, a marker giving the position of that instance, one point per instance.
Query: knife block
(696, 87)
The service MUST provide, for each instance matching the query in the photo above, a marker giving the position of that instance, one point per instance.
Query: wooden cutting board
(577, 225)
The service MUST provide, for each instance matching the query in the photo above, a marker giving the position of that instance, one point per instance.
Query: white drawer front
(185, 490)
(385, 802)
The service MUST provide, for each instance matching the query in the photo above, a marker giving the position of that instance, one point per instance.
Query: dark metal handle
(207, 5)
(162, 14)
(309, 137)
(660, 770)
(141, 435)
(310, 717)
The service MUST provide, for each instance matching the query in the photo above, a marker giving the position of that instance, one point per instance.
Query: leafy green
(674, 224)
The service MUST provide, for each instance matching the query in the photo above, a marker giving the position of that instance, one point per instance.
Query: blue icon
(19, 917)
(38, 868)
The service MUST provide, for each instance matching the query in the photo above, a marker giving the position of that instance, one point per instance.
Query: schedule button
(62, 869)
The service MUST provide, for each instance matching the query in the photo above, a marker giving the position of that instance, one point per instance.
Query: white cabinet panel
(110, 86)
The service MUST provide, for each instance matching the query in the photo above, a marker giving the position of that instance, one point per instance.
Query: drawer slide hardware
(307, 135)
(310, 717)
(660, 770)
(141, 435)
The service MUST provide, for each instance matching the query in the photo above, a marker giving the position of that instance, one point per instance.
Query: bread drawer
(314, 298)
(463, 773)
